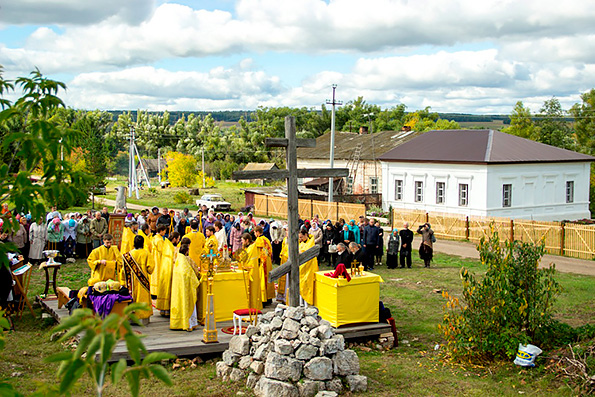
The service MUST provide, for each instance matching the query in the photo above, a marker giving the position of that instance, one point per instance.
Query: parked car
(214, 201)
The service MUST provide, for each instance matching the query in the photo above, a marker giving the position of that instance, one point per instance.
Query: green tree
(94, 127)
(521, 123)
(552, 128)
(584, 121)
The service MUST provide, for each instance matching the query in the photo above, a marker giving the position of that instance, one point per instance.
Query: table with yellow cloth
(230, 294)
(342, 302)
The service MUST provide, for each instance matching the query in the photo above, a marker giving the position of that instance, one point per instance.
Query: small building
(486, 173)
(258, 167)
(357, 152)
(151, 166)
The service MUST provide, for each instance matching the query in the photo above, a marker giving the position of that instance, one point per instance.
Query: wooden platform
(159, 338)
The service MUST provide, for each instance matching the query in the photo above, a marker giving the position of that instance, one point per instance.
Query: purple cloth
(103, 304)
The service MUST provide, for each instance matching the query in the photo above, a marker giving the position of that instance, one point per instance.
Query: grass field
(412, 369)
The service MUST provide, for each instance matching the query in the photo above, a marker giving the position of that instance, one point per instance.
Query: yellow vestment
(265, 252)
(250, 263)
(156, 252)
(211, 244)
(308, 273)
(197, 243)
(184, 293)
(168, 257)
(148, 243)
(282, 283)
(111, 269)
(145, 261)
(127, 240)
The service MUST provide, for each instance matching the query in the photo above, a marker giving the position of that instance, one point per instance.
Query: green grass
(414, 368)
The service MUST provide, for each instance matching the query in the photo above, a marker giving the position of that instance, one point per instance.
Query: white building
(486, 173)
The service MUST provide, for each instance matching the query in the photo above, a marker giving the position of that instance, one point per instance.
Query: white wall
(538, 190)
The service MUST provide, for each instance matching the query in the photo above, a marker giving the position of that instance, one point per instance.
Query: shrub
(510, 305)
(182, 198)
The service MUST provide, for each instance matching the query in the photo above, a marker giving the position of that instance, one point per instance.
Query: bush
(182, 198)
(510, 305)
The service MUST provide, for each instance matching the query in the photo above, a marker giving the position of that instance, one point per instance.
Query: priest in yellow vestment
(284, 257)
(184, 286)
(128, 236)
(168, 258)
(157, 243)
(211, 243)
(105, 262)
(197, 242)
(145, 263)
(307, 270)
(249, 261)
(265, 252)
(145, 232)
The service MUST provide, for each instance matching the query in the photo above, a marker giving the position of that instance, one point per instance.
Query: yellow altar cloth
(341, 302)
(230, 294)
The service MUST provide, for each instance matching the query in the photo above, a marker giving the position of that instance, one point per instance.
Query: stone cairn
(292, 352)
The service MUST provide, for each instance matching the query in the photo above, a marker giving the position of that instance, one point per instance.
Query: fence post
(427, 217)
(267, 196)
(562, 236)
(511, 230)
(467, 227)
(311, 209)
(337, 210)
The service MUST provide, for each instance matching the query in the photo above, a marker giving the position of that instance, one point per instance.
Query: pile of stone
(292, 352)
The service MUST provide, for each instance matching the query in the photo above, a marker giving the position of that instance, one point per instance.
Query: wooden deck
(159, 338)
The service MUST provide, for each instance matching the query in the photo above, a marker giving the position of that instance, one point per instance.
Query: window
(440, 188)
(419, 191)
(507, 195)
(463, 194)
(398, 189)
(374, 184)
(349, 185)
(570, 191)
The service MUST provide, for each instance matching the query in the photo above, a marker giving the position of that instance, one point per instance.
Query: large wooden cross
(291, 174)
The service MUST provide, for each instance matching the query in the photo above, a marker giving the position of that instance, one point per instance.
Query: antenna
(332, 153)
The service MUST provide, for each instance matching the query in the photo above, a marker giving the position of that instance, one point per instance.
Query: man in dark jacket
(357, 254)
(165, 219)
(406, 236)
(343, 256)
(371, 243)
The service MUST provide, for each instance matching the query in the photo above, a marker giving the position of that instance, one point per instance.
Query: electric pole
(332, 154)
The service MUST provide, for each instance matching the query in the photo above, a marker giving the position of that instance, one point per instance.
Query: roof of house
(260, 167)
(152, 164)
(480, 147)
(373, 145)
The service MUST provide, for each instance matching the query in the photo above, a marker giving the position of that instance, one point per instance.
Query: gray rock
(283, 347)
(267, 317)
(252, 380)
(324, 322)
(357, 383)
(326, 393)
(308, 388)
(260, 352)
(251, 331)
(230, 358)
(309, 322)
(290, 329)
(295, 313)
(265, 329)
(319, 368)
(306, 352)
(333, 345)
(257, 367)
(315, 341)
(276, 323)
(245, 362)
(240, 344)
(311, 311)
(282, 367)
(303, 336)
(325, 331)
(222, 369)
(334, 385)
(346, 362)
(273, 388)
(236, 374)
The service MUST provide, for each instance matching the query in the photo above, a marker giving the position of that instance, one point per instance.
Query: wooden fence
(561, 238)
(271, 206)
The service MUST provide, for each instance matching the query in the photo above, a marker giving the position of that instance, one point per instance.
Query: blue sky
(454, 56)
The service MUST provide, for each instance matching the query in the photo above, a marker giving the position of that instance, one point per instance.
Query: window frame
(440, 192)
(569, 192)
(398, 190)
(463, 194)
(506, 195)
(419, 192)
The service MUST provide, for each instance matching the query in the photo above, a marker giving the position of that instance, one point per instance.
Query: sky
(465, 56)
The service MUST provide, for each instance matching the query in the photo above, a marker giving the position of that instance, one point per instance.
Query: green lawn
(414, 368)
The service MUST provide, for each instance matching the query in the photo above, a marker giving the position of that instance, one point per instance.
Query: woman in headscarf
(392, 250)
(355, 229)
(56, 235)
(347, 235)
(328, 240)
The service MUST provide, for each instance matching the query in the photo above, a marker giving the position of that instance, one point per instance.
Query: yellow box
(230, 294)
(342, 302)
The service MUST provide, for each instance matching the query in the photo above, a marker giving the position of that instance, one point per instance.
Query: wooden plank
(283, 142)
(292, 214)
(286, 267)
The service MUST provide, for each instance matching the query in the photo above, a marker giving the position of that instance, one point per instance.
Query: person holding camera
(426, 248)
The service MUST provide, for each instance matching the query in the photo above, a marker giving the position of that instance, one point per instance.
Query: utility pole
(159, 164)
(332, 154)
(203, 167)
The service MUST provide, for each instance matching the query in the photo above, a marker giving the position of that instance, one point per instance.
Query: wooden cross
(291, 174)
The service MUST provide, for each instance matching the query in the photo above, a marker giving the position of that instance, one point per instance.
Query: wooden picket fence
(561, 238)
(271, 206)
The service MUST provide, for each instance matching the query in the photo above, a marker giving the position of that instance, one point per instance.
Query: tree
(36, 139)
(552, 128)
(584, 121)
(181, 169)
(521, 123)
(94, 127)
